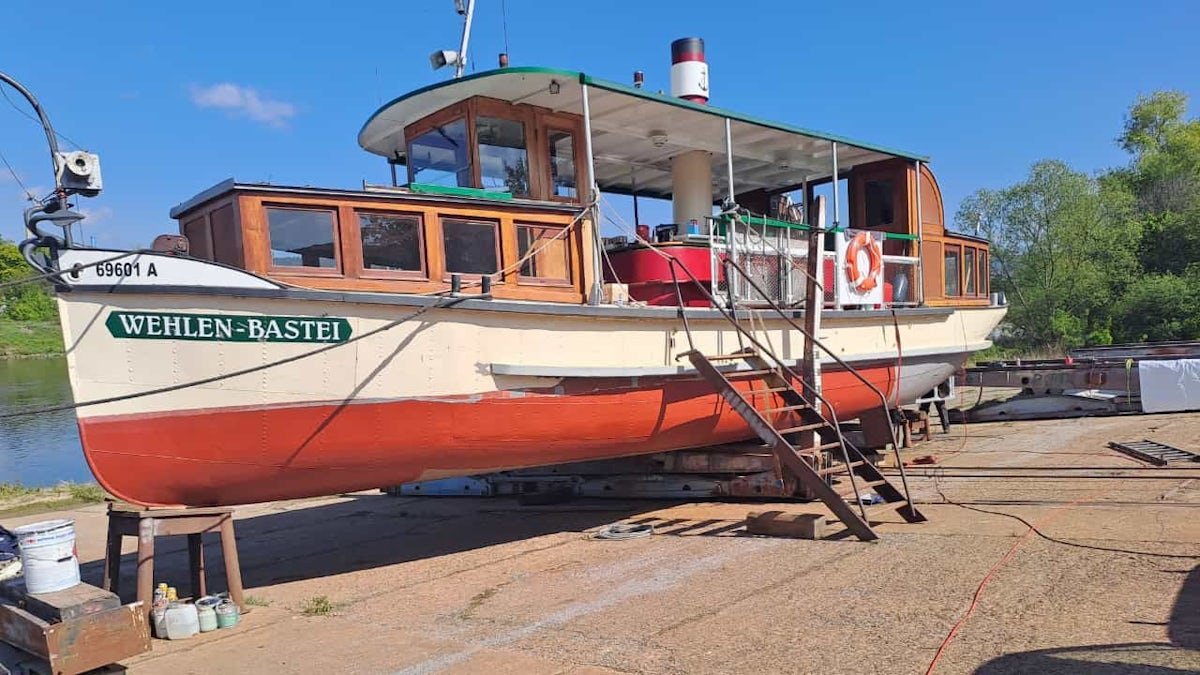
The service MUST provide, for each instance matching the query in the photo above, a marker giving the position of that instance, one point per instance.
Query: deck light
(555, 87)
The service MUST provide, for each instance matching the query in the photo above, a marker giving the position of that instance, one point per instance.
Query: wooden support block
(71, 603)
(781, 524)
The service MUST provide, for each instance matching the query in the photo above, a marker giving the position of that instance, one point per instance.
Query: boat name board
(227, 327)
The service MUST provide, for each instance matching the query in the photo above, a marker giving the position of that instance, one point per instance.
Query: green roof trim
(430, 189)
(615, 87)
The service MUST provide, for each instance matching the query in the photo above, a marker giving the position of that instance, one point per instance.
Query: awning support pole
(729, 159)
(597, 291)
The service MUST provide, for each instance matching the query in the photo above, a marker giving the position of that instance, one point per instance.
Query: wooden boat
(468, 317)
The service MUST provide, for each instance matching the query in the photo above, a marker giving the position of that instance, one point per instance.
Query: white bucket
(48, 555)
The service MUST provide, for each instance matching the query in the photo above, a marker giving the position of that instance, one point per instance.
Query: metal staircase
(798, 433)
(801, 430)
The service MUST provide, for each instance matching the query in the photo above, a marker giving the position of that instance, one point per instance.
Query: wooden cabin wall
(971, 285)
(235, 230)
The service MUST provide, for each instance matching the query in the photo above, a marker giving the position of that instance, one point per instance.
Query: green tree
(1065, 249)
(22, 302)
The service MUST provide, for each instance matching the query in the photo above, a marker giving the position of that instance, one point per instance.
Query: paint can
(48, 555)
(206, 610)
(228, 614)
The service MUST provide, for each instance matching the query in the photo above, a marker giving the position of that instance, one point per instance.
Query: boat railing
(774, 253)
(730, 315)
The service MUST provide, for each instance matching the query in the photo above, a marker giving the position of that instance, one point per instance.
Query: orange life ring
(860, 281)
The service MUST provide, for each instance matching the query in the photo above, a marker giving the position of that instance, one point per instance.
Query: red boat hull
(244, 455)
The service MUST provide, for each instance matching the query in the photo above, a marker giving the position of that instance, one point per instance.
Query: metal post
(918, 293)
(729, 158)
(466, 38)
(837, 209)
(633, 185)
(597, 293)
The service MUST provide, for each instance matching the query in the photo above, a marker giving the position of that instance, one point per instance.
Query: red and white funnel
(689, 71)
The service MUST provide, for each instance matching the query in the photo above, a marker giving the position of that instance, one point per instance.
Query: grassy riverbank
(19, 500)
(29, 338)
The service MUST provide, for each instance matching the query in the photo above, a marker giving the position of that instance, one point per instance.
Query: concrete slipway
(488, 586)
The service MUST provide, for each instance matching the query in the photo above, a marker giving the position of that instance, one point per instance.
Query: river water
(38, 450)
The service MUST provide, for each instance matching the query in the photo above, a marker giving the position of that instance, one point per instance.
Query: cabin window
(562, 164)
(880, 207)
(969, 273)
(441, 156)
(953, 267)
(391, 242)
(199, 243)
(226, 236)
(503, 159)
(985, 273)
(471, 246)
(302, 237)
(548, 252)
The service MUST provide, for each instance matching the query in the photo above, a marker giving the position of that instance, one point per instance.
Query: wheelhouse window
(953, 267)
(969, 272)
(548, 251)
(985, 273)
(391, 242)
(503, 158)
(441, 156)
(562, 164)
(880, 207)
(302, 237)
(471, 246)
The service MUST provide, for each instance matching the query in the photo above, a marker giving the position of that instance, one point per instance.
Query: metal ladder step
(786, 408)
(818, 448)
(731, 357)
(749, 373)
(840, 468)
(769, 390)
(803, 427)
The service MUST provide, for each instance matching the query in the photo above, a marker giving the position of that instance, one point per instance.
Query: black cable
(28, 193)
(446, 302)
(1047, 537)
(35, 120)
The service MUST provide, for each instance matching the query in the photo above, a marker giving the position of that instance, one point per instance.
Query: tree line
(1110, 257)
(22, 302)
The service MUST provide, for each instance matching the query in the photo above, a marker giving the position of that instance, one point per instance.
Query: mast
(468, 14)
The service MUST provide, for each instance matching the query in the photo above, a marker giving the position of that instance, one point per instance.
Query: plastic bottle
(182, 621)
(172, 594)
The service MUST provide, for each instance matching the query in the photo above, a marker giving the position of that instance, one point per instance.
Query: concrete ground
(462, 585)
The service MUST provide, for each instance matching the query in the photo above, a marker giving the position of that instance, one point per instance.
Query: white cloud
(244, 101)
(96, 216)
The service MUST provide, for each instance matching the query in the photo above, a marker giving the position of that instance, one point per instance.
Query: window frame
(947, 249)
(339, 255)
(523, 280)
(497, 228)
(422, 245)
(550, 121)
(440, 118)
(970, 274)
(536, 122)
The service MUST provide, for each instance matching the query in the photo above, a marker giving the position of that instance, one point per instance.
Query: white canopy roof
(636, 132)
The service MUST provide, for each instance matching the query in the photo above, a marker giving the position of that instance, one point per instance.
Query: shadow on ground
(1178, 656)
(367, 531)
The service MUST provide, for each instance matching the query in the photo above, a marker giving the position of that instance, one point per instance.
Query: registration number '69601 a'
(120, 269)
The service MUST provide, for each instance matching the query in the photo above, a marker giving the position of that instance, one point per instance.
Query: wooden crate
(91, 633)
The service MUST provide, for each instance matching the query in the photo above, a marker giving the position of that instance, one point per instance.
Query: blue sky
(178, 96)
